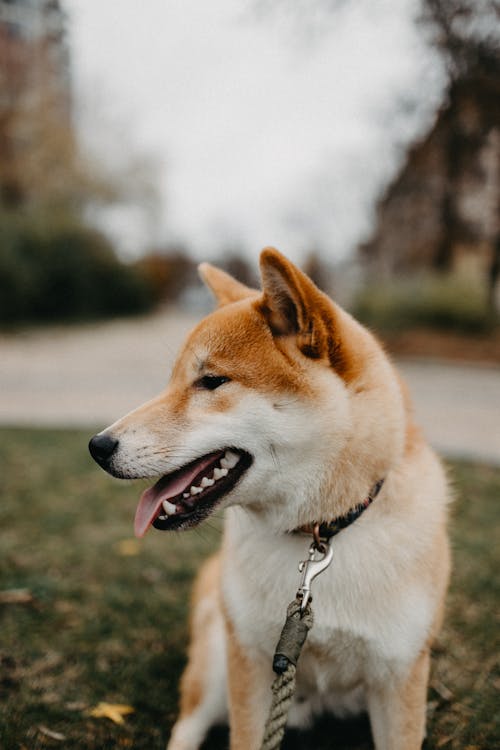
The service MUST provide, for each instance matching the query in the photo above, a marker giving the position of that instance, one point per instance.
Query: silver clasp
(311, 568)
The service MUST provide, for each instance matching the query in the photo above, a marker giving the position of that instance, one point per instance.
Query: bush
(448, 302)
(167, 273)
(63, 271)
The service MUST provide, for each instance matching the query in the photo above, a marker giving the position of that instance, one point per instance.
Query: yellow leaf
(128, 547)
(113, 711)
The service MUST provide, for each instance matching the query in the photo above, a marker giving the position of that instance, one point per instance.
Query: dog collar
(324, 531)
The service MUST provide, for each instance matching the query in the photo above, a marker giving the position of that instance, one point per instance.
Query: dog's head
(278, 401)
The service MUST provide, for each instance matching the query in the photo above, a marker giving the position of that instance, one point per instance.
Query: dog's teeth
(185, 495)
(196, 490)
(206, 482)
(169, 508)
(219, 473)
(230, 460)
(162, 518)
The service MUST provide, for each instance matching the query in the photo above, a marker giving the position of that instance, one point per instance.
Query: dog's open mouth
(185, 497)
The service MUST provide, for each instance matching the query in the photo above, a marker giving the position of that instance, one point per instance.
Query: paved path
(458, 406)
(90, 376)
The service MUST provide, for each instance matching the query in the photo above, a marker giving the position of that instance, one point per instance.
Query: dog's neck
(327, 529)
(275, 521)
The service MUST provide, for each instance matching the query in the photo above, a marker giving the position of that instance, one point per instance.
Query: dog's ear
(293, 305)
(289, 295)
(224, 288)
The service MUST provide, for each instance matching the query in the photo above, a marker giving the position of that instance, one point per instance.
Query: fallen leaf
(444, 740)
(50, 733)
(113, 711)
(16, 596)
(127, 547)
(444, 693)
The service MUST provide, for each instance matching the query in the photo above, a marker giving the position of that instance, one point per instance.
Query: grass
(104, 617)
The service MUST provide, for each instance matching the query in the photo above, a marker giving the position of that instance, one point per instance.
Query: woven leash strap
(287, 653)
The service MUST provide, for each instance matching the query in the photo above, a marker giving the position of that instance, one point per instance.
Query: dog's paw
(187, 734)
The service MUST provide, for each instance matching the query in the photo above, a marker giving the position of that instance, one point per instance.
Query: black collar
(327, 529)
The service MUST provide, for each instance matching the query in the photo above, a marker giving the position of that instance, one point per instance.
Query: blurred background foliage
(55, 267)
(433, 259)
(447, 302)
(435, 252)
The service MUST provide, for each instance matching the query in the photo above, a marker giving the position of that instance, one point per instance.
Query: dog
(286, 412)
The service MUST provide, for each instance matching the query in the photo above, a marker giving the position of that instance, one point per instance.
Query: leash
(300, 618)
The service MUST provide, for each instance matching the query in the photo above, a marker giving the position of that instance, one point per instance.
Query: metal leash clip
(311, 568)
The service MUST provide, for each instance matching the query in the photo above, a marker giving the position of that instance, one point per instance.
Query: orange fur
(206, 586)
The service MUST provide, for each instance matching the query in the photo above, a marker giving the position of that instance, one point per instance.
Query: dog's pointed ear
(290, 299)
(224, 288)
(293, 306)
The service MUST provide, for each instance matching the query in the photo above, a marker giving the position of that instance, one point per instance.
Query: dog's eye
(211, 382)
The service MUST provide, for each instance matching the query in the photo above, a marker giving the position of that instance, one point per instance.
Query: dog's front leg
(397, 710)
(249, 688)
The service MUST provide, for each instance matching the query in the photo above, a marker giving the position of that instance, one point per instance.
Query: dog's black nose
(102, 447)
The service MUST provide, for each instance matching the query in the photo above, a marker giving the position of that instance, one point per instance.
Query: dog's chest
(335, 655)
(364, 623)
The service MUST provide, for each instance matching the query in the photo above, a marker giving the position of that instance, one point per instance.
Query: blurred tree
(442, 211)
(467, 35)
(167, 273)
(52, 263)
(318, 270)
(43, 165)
(34, 90)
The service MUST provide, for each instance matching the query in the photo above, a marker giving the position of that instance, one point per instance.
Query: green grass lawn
(104, 617)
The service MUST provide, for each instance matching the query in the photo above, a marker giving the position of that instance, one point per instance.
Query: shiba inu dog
(285, 411)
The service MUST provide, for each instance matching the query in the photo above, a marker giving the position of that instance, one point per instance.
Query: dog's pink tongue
(166, 489)
(150, 503)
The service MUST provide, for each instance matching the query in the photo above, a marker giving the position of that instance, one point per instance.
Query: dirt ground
(91, 375)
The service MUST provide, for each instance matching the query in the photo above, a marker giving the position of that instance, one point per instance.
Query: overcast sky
(269, 122)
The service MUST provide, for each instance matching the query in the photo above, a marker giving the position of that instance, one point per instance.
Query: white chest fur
(372, 615)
